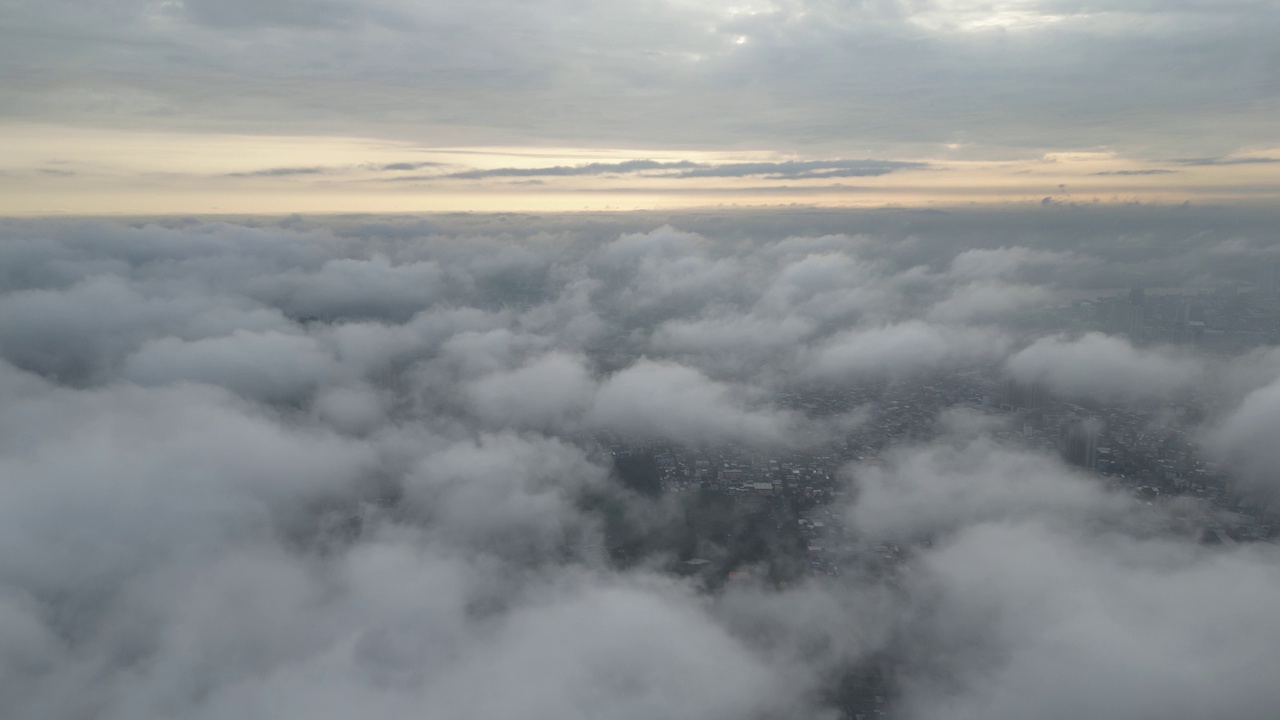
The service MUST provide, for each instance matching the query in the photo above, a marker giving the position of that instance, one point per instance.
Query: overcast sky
(283, 105)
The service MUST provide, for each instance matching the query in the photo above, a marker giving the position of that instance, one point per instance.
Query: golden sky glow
(51, 170)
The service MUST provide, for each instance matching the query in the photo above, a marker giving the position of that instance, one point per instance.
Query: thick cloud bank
(369, 468)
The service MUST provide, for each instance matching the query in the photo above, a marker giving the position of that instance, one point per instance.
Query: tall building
(1025, 396)
(1137, 296)
(1078, 442)
(1129, 316)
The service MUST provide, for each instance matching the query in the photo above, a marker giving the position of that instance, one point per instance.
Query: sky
(211, 106)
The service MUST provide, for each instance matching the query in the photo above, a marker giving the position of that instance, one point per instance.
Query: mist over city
(753, 464)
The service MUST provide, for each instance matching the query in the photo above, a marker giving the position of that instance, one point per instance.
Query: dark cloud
(1153, 171)
(409, 165)
(800, 170)
(323, 170)
(1229, 161)
(630, 166)
(790, 170)
(282, 172)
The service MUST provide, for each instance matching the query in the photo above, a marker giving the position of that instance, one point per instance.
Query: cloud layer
(367, 467)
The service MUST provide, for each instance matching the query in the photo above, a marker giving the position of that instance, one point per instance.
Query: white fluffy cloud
(903, 348)
(1245, 438)
(1104, 367)
(546, 393)
(271, 366)
(938, 489)
(1056, 623)
(671, 402)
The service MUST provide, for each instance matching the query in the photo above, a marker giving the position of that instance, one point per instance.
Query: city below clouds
(759, 464)
(561, 360)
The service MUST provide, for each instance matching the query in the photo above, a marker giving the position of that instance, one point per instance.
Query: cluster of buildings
(1227, 319)
(1147, 451)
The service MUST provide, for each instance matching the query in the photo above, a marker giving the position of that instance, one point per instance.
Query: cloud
(545, 393)
(354, 288)
(83, 332)
(1228, 161)
(356, 408)
(629, 166)
(988, 301)
(1056, 622)
(804, 169)
(786, 170)
(269, 366)
(613, 657)
(747, 335)
(904, 348)
(828, 286)
(1103, 367)
(662, 400)
(669, 272)
(1039, 591)
(417, 165)
(114, 481)
(1152, 171)
(503, 490)
(1007, 262)
(940, 489)
(1242, 439)
(282, 172)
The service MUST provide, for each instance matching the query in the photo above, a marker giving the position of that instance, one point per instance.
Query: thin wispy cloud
(408, 166)
(1152, 171)
(1200, 162)
(785, 170)
(805, 169)
(282, 172)
(615, 168)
